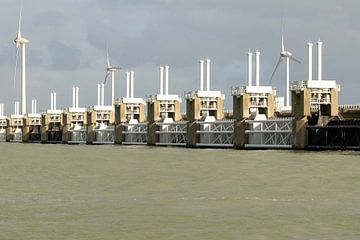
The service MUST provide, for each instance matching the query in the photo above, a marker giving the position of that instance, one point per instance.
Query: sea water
(133, 192)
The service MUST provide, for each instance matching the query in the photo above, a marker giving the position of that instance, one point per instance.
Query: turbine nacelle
(285, 54)
(20, 40)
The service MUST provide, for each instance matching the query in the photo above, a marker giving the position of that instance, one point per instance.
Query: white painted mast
(23, 81)
(112, 87)
(20, 42)
(287, 81)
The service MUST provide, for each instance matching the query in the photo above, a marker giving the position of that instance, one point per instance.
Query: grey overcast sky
(68, 40)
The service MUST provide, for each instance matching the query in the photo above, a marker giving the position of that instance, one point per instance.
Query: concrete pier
(52, 126)
(15, 125)
(32, 127)
(250, 102)
(3, 128)
(101, 125)
(312, 100)
(161, 108)
(75, 126)
(202, 106)
(128, 111)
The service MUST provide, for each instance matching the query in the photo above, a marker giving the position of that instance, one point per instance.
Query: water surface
(118, 192)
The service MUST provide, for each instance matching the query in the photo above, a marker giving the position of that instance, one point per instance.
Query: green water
(117, 192)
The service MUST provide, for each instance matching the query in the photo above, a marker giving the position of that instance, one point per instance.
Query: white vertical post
(73, 98)
(102, 94)
(161, 80)
(16, 108)
(98, 94)
(250, 54)
(201, 75)
(207, 74)
(127, 75)
(54, 100)
(77, 97)
(132, 84)
(287, 79)
(310, 57)
(23, 81)
(35, 106)
(319, 45)
(51, 101)
(166, 80)
(257, 68)
(112, 87)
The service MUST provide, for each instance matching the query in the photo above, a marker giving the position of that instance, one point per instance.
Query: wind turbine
(20, 42)
(110, 70)
(287, 56)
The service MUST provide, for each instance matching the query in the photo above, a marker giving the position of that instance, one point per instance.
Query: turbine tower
(287, 56)
(110, 70)
(20, 41)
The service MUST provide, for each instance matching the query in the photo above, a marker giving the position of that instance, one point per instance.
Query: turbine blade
(106, 77)
(282, 35)
(107, 57)
(282, 42)
(19, 24)
(16, 63)
(276, 67)
(295, 59)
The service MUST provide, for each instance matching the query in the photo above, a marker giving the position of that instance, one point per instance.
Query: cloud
(64, 58)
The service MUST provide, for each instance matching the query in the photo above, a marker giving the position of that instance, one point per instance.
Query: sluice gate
(215, 134)
(104, 135)
(134, 134)
(15, 128)
(270, 133)
(3, 126)
(32, 129)
(172, 134)
(75, 122)
(101, 129)
(336, 135)
(78, 135)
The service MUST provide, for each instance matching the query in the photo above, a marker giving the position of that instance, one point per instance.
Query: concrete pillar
(240, 138)
(299, 133)
(191, 134)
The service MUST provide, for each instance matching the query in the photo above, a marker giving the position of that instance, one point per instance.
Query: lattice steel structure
(104, 136)
(135, 134)
(271, 133)
(78, 135)
(172, 134)
(336, 135)
(215, 134)
(3, 126)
